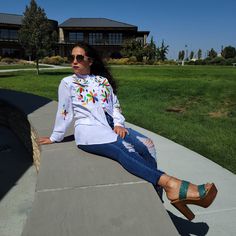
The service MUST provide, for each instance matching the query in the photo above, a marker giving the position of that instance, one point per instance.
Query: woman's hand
(45, 140)
(121, 131)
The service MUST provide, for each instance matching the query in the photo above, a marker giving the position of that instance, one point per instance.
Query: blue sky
(198, 24)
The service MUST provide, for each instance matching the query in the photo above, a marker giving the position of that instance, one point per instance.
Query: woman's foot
(173, 185)
(181, 193)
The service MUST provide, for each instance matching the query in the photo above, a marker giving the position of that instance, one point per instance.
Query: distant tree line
(226, 57)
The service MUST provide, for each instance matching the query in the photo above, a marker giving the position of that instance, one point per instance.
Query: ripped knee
(128, 146)
(149, 144)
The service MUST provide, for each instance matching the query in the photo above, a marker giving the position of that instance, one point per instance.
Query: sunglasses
(79, 58)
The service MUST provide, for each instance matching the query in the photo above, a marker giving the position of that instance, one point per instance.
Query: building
(106, 35)
(9, 26)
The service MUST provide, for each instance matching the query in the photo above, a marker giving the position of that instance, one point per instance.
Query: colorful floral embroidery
(105, 96)
(81, 87)
(64, 112)
(105, 84)
(92, 96)
(98, 79)
(85, 94)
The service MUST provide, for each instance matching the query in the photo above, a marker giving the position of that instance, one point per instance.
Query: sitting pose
(89, 96)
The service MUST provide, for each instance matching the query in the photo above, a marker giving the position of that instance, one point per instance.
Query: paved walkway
(68, 175)
(50, 67)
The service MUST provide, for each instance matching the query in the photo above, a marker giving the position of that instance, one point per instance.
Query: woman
(89, 96)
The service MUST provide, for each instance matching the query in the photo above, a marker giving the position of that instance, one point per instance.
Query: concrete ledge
(74, 188)
(82, 194)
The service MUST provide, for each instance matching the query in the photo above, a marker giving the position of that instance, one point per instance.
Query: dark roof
(11, 19)
(143, 32)
(94, 22)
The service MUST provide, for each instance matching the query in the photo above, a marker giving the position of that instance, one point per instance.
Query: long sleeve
(64, 114)
(118, 118)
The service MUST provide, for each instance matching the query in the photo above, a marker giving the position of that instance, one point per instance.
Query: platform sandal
(206, 197)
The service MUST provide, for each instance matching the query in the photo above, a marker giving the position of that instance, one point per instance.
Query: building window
(8, 34)
(141, 40)
(10, 52)
(76, 37)
(96, 39)
(115, 38)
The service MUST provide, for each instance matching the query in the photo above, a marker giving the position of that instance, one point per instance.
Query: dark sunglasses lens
(79, 58)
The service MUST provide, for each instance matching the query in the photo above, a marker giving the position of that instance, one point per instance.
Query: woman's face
(80, 62)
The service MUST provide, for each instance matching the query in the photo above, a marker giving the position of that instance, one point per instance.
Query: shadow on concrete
(68, 138)
(14, 160)
(187, 228)
(17, 147)
(25, 102)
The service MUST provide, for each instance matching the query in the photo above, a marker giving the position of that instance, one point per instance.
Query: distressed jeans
(136, 153)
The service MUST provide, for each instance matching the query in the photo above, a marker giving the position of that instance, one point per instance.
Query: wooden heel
(183, 208)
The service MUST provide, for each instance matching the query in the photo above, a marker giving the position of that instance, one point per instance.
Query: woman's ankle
(171, 186)
(164, 180)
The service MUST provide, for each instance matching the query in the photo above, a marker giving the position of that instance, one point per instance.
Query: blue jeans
(136, 153)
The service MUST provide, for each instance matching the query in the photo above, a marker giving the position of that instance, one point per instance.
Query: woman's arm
(119, 120)
(64, 115)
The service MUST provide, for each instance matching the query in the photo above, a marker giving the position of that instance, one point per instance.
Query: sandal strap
(202, 190)
(183, 190)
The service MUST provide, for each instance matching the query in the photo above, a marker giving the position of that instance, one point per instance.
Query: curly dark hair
(98, 67)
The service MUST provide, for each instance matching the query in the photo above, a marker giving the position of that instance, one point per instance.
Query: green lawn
(193, 105)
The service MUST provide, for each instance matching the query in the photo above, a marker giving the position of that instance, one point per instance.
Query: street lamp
(186, 49)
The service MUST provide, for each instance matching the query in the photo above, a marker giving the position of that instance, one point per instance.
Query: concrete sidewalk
(50, 67)
(116, 203)
(219, 218)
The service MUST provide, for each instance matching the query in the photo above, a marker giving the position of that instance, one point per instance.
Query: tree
(133, 48)
(181, 55)
(229, 52)
(212, 53)
(162, 51)
(191, 55)
(150, 50)
(199, 54)
(36, 34)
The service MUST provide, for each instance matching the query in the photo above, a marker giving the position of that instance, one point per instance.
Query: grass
(193, 105)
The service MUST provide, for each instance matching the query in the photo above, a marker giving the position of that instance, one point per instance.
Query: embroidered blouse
(86, 98)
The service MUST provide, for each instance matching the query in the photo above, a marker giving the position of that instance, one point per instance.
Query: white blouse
(86, 98)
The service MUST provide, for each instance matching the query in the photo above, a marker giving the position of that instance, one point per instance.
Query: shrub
(218, 61)
(167, 62)
(207, 61)
(54, 60)
(149, 61)
(230, 61)
(191, 62)
(23, 62)
(200, 62)
(66, 60)
(8, 60)
(122, 61)
(132, 59)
